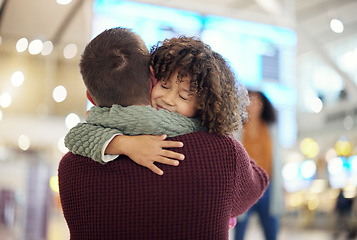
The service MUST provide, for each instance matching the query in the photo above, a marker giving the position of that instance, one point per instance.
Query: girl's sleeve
(88, 140)
(250, 181)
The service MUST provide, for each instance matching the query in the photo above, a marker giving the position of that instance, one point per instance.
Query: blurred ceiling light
(5, 100)
(309, 147)
(335, 166)
(308, 169)
(336, 25)
(290, 171)
(59, 94)
(61, 146)
(343, 147)
(316, 105)
(64, 2)
(70, 51)
(35, 46)
(21, 45)
(47, 48)
(17, 78)
(24, 142)
(72, 120)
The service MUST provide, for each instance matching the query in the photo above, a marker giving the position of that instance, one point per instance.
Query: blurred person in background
(345, 219)
(259, 140)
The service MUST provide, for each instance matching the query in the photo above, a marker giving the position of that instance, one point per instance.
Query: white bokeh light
(17, 78)
(72, 120)
(308, 169)
(316, 105)
(47, 48)
(290, 171)
(5, 100)
(70, 51)
(335, 166)
(336, 25)
(24, 142)
(35, 46)
(64, 2)
(22, 45)
(59, 94)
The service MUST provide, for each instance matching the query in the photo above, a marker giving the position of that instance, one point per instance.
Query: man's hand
(146, 149)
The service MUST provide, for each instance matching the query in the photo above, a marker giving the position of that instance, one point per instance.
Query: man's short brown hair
(115, 68)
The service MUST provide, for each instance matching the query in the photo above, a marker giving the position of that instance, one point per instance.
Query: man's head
(115, 68)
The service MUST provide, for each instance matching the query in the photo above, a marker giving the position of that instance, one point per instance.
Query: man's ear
(90, 98)
(152, 77)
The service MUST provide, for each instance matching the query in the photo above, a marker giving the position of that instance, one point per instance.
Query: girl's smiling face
(175, 96)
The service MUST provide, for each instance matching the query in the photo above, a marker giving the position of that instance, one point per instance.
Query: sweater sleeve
(88, 139)
(250, 181)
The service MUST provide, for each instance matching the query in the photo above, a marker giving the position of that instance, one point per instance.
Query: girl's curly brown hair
(221, 102)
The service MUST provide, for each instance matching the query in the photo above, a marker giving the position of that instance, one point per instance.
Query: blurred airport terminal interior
(301, 54)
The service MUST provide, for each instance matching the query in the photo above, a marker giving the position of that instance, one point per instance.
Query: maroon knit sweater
(193, 201)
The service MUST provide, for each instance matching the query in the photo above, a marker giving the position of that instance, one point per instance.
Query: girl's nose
(168, 99)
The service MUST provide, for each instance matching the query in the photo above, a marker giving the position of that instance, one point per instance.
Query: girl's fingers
(172, 155)
(155, 169)
(171, 144)
(167, 161)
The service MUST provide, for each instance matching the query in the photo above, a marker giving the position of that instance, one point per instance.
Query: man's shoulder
(204, 137)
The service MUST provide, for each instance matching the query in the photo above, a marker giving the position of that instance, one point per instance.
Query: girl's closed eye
(183, 98)
(164, 86)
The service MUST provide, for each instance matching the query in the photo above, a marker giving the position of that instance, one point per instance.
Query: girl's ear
(152, 77)
(90, 98)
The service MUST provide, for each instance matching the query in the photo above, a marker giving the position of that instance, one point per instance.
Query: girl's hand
(146, 149)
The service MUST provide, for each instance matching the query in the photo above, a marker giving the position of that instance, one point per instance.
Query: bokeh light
(24, 142)
(59, 94)
(17, 78)
(22, 45)
(54, 184)
(336, 25)
(342, 147)
(309, 147)
(47, 48)
(316, 105)
(5, 100)
(64, 2)
(308, 169)
(70, 51)
(35, 46)
(335, 166)
(72, 120)
(290, 171)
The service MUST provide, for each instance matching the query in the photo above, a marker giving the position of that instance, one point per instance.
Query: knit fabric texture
(87, 139)
(193, 201)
